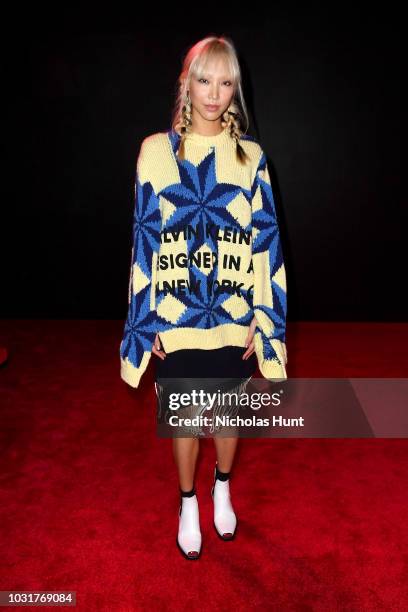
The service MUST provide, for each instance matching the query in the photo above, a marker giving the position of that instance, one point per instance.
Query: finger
(158, 344)
(249, 351)
(250, 337)
(160, 354)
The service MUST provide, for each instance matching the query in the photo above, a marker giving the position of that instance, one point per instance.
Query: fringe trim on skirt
(219, 409)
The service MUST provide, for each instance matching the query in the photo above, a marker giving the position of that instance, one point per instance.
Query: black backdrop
(324, 87)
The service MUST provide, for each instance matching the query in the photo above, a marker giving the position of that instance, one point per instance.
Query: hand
(156, 348)
(249, 339)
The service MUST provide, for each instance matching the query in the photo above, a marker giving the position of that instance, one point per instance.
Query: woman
(207, 268)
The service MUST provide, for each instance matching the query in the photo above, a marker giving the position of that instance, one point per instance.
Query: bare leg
(185, 451)
(225, 448)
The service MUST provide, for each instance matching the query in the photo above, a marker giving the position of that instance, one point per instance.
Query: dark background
(324, 88)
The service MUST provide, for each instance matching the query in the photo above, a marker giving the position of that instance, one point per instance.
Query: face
(214, 88)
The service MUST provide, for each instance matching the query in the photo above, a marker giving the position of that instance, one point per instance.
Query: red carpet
(90, 494)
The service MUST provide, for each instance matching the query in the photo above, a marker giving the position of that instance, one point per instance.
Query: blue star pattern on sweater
(268, 239)
(140, 325)
(200, 199)
(146, 225)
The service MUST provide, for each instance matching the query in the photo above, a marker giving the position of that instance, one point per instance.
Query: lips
(211, 107)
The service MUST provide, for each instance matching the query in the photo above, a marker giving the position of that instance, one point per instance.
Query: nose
(214, 94)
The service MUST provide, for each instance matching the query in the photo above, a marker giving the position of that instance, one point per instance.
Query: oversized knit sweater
(206, 255)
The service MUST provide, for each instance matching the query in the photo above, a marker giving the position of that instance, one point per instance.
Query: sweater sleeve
(140, 326)
(269, 293)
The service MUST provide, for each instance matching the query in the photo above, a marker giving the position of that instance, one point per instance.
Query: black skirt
(224, 362)
(213, 370)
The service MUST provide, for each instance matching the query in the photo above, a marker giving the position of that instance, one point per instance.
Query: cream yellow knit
(206, 255)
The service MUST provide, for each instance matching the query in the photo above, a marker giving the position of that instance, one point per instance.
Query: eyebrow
(223, 77)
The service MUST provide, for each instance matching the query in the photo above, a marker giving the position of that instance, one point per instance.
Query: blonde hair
(194, 63)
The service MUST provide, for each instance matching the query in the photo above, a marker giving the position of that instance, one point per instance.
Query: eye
(228, 83)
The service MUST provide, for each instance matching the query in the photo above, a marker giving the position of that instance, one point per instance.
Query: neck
(206, 128)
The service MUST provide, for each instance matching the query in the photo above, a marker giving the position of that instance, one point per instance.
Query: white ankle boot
(189, 533)
(225, 520)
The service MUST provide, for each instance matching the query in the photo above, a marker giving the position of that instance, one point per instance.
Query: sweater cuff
(272, 356)
(131, 374)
